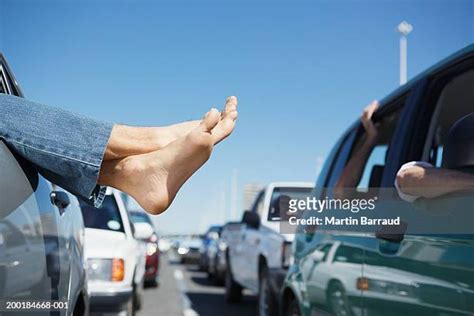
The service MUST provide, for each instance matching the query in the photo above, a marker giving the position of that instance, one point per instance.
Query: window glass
(294, 193)
(3, 81)
(26, 227)
(140, 217)
(3, 88)
(323, 175)
(436, 156)
(349, 254)
(368, 165)
(106, 217)
(376, 160)
(11, 236)
(341, 160)
(325, 249)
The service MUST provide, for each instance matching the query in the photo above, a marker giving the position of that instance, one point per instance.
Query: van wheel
(293, 308)
(266, 302)
(338, 302)
(233, 290)
(137, 296)
(218, 277)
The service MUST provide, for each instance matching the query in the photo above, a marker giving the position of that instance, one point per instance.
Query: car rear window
(106, 217)
(292, 192)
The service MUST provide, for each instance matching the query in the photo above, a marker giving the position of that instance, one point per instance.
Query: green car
(348, 272)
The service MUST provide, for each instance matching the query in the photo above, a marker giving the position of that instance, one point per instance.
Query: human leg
(72, 150)
(66, 148)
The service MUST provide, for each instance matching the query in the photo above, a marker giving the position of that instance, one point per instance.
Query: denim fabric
(66, 148)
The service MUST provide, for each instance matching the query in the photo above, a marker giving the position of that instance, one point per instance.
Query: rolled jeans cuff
(66, 148)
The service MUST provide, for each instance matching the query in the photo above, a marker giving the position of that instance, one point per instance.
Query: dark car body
(152, 251)
(353, 273)
(41, 232)
(211, 235)
(217, 253)
(189, 250)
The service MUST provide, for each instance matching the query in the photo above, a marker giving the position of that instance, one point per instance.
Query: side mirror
(317, 255)
(251, 219)
(143, 231)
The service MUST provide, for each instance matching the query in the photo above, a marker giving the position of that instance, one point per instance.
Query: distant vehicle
(188, 250)
(209, 237)
(346, 273)
(216, 252)
(259, 258)
(115, 258)
(164, 244)
(152, 251)
(41, 232)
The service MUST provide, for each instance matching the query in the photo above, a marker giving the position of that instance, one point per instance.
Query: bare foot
(153, 179)
(162, 136)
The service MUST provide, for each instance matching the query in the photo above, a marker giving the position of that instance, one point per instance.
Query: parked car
(152, 252)
(258, 259)
(188, 250)
(209, 237)
(164, 244)
(115, 258)
(216, 252)
(349, 273)
(41, 232)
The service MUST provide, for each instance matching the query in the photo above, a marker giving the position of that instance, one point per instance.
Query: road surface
(184, 290)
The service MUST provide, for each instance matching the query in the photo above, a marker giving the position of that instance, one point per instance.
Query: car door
(27, 209)
(427, 271)
(328, 289)
(242, 252)
(23, 254)
(253, 244)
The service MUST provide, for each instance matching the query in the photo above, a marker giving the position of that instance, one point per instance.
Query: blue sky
(302, 70)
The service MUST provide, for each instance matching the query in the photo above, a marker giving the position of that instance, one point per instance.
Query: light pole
(404, 29)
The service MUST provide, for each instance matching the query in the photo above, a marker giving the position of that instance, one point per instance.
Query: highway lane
(184, 290)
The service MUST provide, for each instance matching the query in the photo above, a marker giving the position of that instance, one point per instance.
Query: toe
(224, 128)
(232, 115)
(230, 105)
(209, 121)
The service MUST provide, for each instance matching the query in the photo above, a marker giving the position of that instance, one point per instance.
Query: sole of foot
(153, 179)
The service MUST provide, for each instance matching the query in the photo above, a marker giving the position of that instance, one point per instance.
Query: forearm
(434, 182)
(352, 173)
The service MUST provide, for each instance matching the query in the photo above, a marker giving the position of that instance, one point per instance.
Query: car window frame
(10, 78)
(415, 121)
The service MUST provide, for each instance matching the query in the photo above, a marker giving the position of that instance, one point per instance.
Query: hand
(367, 122)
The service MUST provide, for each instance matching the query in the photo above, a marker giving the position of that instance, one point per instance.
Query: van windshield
(140, 217)
(106, 217)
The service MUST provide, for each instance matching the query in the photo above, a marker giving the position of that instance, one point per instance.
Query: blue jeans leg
(66, 148)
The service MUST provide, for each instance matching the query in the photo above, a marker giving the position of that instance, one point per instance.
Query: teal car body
(348, 273)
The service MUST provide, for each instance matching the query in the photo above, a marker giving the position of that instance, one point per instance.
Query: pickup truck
(259, 255)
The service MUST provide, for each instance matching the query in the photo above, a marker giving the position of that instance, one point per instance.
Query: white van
(115, 257)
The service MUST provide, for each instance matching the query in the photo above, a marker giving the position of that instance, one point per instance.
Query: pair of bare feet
(151, 164)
